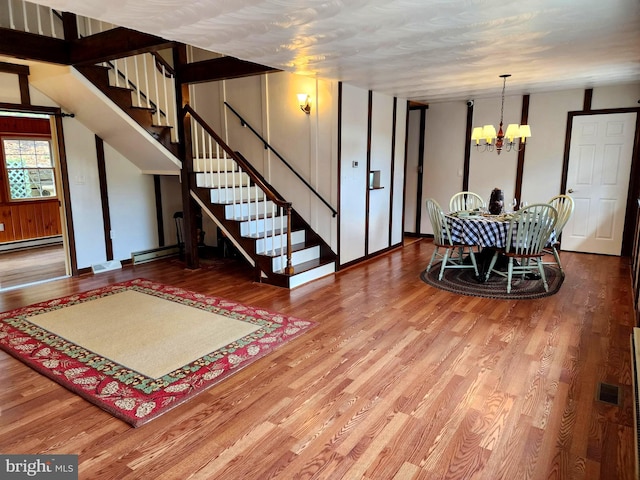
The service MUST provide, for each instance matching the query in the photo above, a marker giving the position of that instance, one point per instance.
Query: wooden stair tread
(297, 247)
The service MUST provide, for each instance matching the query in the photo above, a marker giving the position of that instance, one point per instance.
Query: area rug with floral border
(464, 282)
(128, 394)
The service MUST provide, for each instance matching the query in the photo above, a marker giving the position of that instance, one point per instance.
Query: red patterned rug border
(126, 394)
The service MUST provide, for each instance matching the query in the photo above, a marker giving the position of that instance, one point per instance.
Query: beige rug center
(150, 335)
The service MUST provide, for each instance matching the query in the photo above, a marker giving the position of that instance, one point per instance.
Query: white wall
(353, 178)
(379, 199)
(548, 113)
(307, 142)
(443, 156)
(384, 214)
(9, 88)
(131, 206)
(542, 172)
(84, 191)
(397, 210)
(617, 96)
(488, 170)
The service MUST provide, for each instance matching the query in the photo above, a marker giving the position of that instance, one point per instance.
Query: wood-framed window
(29, 168)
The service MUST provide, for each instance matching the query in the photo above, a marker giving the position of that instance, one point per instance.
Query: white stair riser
(229, 195)
(310, 275)
(214, 180)
(300, 256)
(266, 246)
(243, 210)
(214, 165)
(258, 227)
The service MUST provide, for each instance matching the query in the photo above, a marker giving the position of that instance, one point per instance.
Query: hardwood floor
(22, 267)
(398, 381)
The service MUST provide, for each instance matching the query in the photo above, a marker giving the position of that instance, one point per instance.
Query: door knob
(570, 190)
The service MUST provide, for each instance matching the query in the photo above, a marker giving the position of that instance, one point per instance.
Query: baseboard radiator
(155, 254)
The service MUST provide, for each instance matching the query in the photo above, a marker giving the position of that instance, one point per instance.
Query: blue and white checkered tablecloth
(483, 231)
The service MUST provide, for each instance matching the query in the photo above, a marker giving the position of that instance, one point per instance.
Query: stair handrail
(249, 169)
(266, 144)
(254, 175)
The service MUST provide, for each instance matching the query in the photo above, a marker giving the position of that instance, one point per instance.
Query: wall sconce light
(304, 101)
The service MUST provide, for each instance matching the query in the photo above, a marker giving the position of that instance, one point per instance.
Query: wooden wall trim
(588, 98)
(367, 190)
(394, 120)
(104, 197)
(159, 218)
(404, 183)
(420, 176)
(186, 173)
(66, 193)
(524, 120)
(466, 167)
(339, 160)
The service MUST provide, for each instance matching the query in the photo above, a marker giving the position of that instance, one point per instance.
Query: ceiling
(421, 50)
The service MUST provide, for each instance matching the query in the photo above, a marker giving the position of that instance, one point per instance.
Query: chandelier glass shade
(487, 139)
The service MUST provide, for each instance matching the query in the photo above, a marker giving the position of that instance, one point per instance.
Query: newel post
(184, 149)
(289, 268)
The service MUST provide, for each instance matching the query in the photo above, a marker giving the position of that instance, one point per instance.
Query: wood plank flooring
(398, 381)
(22, 267)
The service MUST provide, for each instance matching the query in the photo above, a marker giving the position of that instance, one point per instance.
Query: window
(29, 167)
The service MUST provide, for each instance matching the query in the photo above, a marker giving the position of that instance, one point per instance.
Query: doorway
(415, 170)
(33, 246)
(598, 172)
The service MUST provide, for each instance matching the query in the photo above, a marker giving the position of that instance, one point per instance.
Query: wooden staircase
(276, 240)
(258, 228)
(123, 97)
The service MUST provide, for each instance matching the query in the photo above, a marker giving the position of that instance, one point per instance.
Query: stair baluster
(145, 72)
(157, 96)
(12, 23)
(53, 26)
(116, 72)
(39, 20)
(24, 16)
(249, 201)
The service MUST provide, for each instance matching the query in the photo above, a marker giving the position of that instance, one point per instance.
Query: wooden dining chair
(453, 256)
(465, 201)
(564, 206)
(529, 231)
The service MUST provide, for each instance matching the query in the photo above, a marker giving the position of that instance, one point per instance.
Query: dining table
(484, 230)
(481, 229)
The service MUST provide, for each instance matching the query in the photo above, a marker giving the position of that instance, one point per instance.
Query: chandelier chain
(504, 84)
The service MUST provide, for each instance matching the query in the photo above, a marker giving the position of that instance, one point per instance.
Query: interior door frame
(420, 167)
(633, 192)
(57, 141)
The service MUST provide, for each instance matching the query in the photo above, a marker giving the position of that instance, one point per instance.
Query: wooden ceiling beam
(116, 43)
(222, 68)
(30, 46)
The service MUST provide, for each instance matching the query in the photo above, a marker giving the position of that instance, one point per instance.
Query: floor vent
(609, 393)
(106, 266)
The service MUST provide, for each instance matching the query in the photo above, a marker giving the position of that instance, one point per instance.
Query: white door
(598, 180)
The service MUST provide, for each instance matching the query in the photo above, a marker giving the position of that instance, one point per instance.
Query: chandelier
(506, 140)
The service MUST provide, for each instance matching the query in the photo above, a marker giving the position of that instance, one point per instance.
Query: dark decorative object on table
(496, 202)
